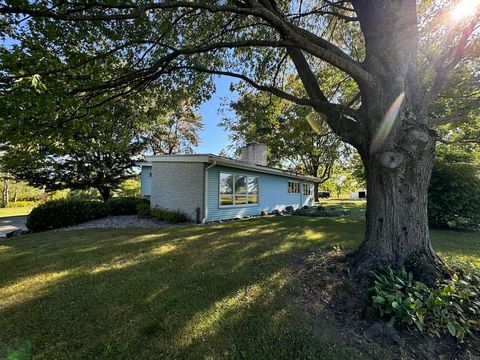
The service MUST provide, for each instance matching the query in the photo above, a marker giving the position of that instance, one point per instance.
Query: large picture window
(238, 190)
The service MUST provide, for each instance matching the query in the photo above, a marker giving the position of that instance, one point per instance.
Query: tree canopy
(296, 136)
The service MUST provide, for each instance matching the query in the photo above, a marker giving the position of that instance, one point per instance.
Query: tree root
(425, 267)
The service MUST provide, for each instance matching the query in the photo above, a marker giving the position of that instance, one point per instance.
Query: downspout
(205, 207)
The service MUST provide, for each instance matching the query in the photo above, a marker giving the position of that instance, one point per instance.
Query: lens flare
(387, 123)
(464, 9)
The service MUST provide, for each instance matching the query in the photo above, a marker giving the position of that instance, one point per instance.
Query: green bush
(18, 204)
(175, 217)
(169, 216)
(452, 306)
(454, 194)
(59, 213)
(126, 205)
(144, 210)
(319, 212)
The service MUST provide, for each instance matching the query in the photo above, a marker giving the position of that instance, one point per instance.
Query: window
(294, 187)
(238, 190)
(307, 189)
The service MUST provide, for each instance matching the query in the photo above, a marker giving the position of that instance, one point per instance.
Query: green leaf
(419, 324)
(391, 322)
(451, 328)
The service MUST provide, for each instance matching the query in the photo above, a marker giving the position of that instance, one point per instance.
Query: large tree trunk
(15, 188)
(399, 152)
(5, 194)
(315, 191)
(104, 192)
(397, 231)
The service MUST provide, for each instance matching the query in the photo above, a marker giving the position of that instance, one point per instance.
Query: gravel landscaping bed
(121, 221)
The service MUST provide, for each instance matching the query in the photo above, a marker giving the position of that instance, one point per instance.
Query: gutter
(205, 199)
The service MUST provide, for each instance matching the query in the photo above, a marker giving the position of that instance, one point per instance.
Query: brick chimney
(255, 153)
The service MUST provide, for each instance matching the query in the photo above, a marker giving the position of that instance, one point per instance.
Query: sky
(213, 138)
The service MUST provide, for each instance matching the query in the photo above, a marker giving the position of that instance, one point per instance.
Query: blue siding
(273, 194)
(146, 181)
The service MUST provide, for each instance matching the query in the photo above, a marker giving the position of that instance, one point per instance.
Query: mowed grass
(15, 211)
(216, 292)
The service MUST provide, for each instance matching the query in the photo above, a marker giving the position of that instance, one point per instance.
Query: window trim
(220, 206)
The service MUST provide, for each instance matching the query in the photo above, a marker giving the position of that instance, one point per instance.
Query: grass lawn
(215, 292)
(15, 211)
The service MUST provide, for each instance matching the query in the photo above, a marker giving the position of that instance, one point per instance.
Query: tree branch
(304, 39)
(439, 121)
(455, 54)
(342, 126)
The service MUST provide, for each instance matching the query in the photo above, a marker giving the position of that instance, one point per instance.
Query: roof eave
(253, 167)
(210, 158)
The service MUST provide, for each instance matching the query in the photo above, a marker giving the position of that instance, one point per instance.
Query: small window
(307, 189)
(238, 190)
(294, 187)
(150, 174)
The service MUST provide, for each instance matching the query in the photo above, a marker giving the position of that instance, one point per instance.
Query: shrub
(289, 209)
(144, 210)
(169, 216)
(452, 306)
(319, 212)
(125, 205)
(175, 217)
(59, 213)
(454, 194)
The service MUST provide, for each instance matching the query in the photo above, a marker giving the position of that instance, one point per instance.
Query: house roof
(220, 160)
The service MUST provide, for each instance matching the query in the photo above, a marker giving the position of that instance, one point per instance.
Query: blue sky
(213, 138)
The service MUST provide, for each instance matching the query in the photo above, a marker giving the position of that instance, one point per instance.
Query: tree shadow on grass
(192, 292)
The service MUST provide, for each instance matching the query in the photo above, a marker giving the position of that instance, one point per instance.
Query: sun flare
(464, 9)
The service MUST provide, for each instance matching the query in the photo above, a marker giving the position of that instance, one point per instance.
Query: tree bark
(315, 191)
(104, 192)
(399, 151)
(5, 192)
(397, 232)
(15, 187)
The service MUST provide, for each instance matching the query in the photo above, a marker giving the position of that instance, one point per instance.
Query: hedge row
(60, 213)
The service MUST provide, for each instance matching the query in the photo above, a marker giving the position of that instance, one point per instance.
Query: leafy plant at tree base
(396, 295)
(452, 306)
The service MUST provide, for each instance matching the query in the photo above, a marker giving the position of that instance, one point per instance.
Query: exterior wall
(356, 194)
(146, 181)
(273, 194)
(178, 186)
